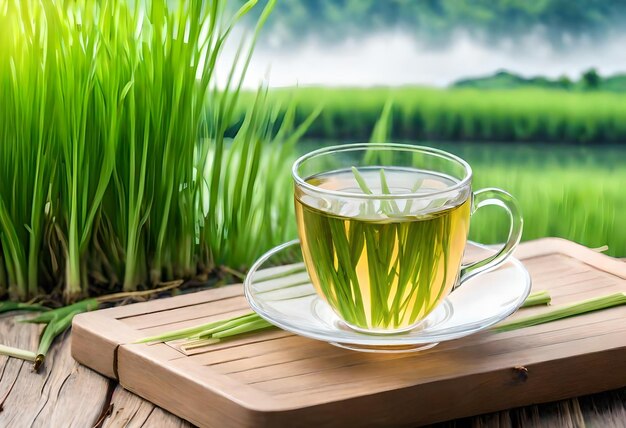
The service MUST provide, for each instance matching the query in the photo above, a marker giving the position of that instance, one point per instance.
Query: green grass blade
(579, 308)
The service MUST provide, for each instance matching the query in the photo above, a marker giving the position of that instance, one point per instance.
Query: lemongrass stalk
(14, 254)
(209, 334)
(17, 353)
(198, 343)
(227, 324)
(579, 308)
(537, 298)
(191, 331)
(60, 319)
(78, 307)
(3, 274)
(135, 198)
(27, 155)
(227, 106)
(15, 306)
(52, 330)
(249, 327)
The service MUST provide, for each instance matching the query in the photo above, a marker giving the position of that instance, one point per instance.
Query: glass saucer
(283, 295)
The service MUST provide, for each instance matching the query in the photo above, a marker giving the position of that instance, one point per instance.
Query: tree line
(563, 23)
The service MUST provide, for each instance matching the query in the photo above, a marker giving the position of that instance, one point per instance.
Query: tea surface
(382, 264)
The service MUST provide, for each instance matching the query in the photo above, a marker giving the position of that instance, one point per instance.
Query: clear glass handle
(502, 199)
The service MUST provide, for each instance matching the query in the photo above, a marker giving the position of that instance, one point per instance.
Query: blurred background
(532, 94)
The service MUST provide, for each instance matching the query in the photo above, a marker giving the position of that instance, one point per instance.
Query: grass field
(574, 193)
(570, 192)
(525, 136)
(465, 114)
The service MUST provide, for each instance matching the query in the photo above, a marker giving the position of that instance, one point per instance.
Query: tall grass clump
(115, 169)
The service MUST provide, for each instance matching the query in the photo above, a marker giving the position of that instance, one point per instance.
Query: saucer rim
(408, 339)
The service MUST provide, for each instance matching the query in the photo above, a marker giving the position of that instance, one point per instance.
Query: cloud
(396, 58)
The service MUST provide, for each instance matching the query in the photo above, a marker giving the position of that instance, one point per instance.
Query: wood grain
(65, 393)
(277, 379)
(132, 411)
(129, 410)
(48, 398)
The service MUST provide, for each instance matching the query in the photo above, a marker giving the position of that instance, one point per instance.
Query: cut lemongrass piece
(190, 331)
(214, 332)
(198, 343)
(575, 309)
(228, 325)
(54, 328)
(23, 354)
(537, 298)
(250, 327)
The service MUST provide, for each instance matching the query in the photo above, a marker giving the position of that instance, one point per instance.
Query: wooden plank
(196, 313)
(63, 394)
(378, 375)
(450, 399)
(98, 350)
(278, 379)
(132, 411)
(183, 389)
(185, 300)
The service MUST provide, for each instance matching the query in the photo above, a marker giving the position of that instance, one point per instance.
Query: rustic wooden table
(66, 394)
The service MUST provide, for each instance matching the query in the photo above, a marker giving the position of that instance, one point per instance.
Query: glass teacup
(383, 229)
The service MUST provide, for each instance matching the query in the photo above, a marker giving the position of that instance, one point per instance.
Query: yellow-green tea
(382, 264)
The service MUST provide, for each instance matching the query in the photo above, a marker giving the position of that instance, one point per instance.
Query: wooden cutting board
(275, 378)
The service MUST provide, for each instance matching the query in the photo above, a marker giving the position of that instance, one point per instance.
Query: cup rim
(380, 146)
